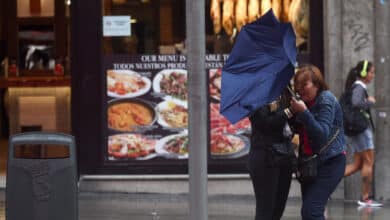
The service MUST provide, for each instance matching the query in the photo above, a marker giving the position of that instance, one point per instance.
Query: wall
(354, 31)
(382, 89)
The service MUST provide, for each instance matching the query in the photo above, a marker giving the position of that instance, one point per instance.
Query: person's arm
(318, 124)
(359, 98)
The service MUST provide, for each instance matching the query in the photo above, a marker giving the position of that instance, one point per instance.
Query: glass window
(157, 27)
(35, 8)
(36, 47)
(224, 20)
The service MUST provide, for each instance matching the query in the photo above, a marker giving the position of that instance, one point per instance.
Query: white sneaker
(369, 202)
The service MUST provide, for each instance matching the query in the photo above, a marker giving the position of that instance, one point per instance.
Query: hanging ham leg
(215, 14)
(265, 6)
(277, 8)
(253, 10)
(227, 16)
(285, 10)
(241, 15)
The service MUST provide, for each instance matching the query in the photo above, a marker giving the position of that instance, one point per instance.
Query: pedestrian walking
(362, 144)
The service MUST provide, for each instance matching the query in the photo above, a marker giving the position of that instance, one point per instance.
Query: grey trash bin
(41, 177)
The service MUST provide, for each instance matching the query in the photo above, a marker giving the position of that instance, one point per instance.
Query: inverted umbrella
(259, 66)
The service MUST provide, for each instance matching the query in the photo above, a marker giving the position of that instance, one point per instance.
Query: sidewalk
(124, 206)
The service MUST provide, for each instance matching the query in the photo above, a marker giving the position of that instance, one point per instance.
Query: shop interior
(35, 68)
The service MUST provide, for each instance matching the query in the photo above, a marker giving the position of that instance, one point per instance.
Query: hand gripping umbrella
(259, 67)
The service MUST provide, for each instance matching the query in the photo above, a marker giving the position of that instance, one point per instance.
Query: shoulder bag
(308, 165)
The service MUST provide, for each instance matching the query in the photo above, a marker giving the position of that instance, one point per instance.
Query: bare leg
(366, 172)
(355, 165)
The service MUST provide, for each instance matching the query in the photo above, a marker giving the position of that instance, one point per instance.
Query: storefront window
(157, 27)
(144, 65)
(35, 8)
(224, 19)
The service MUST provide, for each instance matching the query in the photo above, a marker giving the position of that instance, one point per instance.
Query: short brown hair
(310, 72)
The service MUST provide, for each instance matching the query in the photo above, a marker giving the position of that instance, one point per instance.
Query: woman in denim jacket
(318, 116)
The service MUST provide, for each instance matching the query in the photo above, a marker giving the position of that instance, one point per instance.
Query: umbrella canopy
(259, 66)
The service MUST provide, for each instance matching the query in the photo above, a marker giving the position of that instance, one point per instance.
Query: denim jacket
(321, 121)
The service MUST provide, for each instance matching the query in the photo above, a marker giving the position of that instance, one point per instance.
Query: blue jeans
(315, 194)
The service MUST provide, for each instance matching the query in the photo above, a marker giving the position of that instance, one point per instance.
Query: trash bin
(41, 177)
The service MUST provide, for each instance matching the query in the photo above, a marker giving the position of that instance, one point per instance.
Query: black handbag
(307, 168)
(308, 165)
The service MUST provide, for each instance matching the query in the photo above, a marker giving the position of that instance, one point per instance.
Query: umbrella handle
(294, 94)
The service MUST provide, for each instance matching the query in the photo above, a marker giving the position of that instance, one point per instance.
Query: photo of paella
(128, 115)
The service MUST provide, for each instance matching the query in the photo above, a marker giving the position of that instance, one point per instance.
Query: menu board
(147, 110)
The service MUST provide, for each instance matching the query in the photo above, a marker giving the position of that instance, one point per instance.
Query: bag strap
(329, 141)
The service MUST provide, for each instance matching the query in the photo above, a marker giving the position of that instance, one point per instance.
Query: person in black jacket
(271, 158)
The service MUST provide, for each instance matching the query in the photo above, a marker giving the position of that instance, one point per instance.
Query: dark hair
(354, 73)
(311, 72)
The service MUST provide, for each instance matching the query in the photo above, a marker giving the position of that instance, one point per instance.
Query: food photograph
(172, 83)
(130, 115)
(126, 84)
(131, 146)
(223, 145)
(215, 79)
(173, 146)
(172, 114)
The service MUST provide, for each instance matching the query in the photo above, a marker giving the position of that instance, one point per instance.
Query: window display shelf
(35, 81)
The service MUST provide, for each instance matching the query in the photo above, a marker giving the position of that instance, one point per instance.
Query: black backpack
(355, 119)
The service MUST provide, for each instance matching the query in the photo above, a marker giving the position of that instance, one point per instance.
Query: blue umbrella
(259, 67)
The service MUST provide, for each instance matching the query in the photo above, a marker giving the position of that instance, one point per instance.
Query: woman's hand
(371, 99)
(297, 106)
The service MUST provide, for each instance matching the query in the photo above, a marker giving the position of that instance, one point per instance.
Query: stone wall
(356, 30)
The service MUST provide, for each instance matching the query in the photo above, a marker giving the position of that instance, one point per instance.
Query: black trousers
(271, 184)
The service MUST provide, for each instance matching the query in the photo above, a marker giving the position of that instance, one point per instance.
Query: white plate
(158, 77)
(148, 85)
(236, 154)
(162, 152)
(165, 105)
(124, 141)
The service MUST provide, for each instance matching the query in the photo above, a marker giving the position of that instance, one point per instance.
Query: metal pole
(197, 103)
(382, 89)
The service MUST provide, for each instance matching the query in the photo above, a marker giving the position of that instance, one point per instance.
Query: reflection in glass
(41, 151)
(36, 47)
(157, 27)
(35, 8)
(225, 19)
